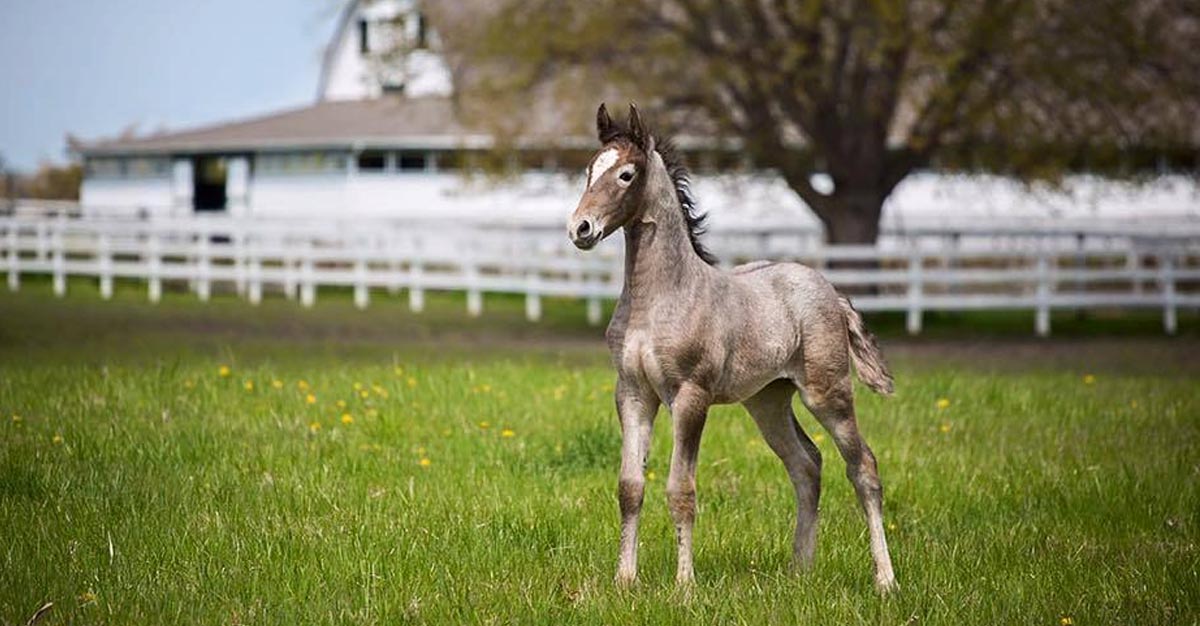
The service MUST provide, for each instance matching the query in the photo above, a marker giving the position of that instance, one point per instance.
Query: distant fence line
(935, 267)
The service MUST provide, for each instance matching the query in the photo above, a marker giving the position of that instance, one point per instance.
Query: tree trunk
(851, 217)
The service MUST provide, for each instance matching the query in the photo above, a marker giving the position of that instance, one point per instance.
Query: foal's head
(615, 179)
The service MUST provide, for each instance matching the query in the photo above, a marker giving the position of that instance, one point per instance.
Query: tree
(49, 182)
(866, 91)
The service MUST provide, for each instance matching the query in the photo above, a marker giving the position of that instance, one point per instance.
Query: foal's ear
(637, 129)
(606, 129)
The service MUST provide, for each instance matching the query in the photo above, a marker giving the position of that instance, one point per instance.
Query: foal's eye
(627, 176)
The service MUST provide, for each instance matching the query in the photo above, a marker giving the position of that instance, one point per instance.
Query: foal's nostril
(584, 229)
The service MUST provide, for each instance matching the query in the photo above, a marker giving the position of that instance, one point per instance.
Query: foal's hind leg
(771, 409)
(831, 400)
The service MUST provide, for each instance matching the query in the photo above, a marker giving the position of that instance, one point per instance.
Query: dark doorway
(208, 183)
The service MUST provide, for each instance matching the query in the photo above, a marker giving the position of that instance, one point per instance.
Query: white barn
(382, 140)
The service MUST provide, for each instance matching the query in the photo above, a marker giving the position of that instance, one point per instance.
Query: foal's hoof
(886, 585)
(625, 580)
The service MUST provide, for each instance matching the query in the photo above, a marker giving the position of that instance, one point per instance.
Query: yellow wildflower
(945, 427)
(189, 384)
(412, 382)
(1066, 620)
(347, 419)
(485, 388)
(651, 475)
(341, 404)
(87, 597)
(358, 386)
(310, 399)
(379, 391)
(302, 385)
(399, 371)
(249, 385)
(420, 450)
(364, 394)
(891, 525)
(57, 439)
(224, 371)
(372, 413)
(278, 384)
(17, 419)
(424, 462)
(508, 432)
(314, 427)
(818, 438)
(485, 425)
(1089, 379)
(943, 403)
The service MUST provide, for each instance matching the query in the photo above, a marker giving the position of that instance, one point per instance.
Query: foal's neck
(659, 257)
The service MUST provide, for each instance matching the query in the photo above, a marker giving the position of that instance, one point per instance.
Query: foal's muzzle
(585, 233)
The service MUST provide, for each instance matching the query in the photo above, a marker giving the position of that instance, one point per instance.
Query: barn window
(372, 161)
(364, 40)
(410, 161)
(300, 163)
(422, 40)
(105, 168)
(148, 167)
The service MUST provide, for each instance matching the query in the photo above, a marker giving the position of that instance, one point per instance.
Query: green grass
(141, 486)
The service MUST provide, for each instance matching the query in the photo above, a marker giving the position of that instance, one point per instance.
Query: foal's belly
(726, 378)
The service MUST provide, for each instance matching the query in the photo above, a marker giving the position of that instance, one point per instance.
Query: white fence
(931, 268)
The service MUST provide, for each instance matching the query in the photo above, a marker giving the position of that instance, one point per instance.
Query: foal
(688, 335)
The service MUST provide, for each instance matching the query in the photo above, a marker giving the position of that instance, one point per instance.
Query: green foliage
(864, 90)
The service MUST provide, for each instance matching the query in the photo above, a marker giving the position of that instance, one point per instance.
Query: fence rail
(931, 268)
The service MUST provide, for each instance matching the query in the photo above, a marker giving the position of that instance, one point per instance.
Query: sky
(96, 67)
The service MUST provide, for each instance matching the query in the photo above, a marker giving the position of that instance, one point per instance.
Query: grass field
(219, 463)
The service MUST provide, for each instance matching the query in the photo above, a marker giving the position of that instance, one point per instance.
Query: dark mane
(695, 219)
(682, 180)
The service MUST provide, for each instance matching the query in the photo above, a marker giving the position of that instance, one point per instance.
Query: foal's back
(765, 321)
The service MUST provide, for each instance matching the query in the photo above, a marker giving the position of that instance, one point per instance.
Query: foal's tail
(868, 361)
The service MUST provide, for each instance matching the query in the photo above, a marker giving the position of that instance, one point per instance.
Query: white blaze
(604, 161)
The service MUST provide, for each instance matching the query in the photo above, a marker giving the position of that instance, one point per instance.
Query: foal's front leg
(689, 411)
(636, 407)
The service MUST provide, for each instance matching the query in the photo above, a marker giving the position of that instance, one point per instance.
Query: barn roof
(393, 122)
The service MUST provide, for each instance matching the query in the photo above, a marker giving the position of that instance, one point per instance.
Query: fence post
(592, 285)
(288, 264)
(416, 279)
(308, 289)
(362, 296)
(1041, 322)
(14, 258)
(1166, 270)
(254, 288)
(104, 260)
(203, 284)
(533, 295)
(154, 260)
(474, 295)
(58, 242)
(915, 291)
(237, 240)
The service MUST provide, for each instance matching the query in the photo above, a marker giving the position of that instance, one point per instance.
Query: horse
(688, 335)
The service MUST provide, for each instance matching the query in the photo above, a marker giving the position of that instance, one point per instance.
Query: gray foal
(689, 335)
